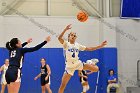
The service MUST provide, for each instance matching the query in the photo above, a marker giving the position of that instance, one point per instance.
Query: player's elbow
(89, 49)
(49, 73)
(59, 38)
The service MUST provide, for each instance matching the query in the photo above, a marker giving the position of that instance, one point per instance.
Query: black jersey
(83, 73)
(16, 56)
(44, 70)
(44, 73)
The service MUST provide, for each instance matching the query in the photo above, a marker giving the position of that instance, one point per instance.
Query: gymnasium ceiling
(60, 7)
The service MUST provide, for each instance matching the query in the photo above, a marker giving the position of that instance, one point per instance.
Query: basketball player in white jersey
(3, 70)
(73, 63)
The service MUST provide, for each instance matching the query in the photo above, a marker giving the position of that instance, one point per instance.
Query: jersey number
(73, 55)
(13, 53)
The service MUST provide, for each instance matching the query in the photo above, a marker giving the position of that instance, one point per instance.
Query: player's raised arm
(97, 47)
(60, 38)
(25, 50)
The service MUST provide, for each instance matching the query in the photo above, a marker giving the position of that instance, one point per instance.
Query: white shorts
(71, 67)
(3, 80)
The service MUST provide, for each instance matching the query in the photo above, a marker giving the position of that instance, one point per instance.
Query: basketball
(82, 16)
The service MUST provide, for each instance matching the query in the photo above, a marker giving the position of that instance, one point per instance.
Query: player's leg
(43, 89)
(65, 79)
(85, 86)
(2, 88)
(93, 68)
(43, 82)
(10, 90)
(15, 86)
(8, 86)
(13, 79)
(91, 65)
(47, 85)
(17, 83)
(48, 88)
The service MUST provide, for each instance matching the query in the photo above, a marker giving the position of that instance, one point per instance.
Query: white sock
(84, 88)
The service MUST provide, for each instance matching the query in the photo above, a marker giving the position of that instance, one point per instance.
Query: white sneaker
(95, 61)
(92, 61)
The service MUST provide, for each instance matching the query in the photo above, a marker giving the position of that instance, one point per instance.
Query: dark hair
(12, 44)
(110, 71)
(43, 58)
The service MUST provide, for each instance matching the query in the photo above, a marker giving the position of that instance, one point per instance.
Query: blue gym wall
(54, 56)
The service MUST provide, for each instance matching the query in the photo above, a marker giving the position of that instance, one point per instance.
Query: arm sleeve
(24, 44)
(81, 47)
(25, 50)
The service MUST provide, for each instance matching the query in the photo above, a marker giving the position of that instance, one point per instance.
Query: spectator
(112, 81)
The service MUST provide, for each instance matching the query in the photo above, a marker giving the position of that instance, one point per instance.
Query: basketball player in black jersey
(84, 79)
(45, 76)
(16, 54)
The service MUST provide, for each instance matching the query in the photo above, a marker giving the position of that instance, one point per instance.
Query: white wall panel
(88, 32)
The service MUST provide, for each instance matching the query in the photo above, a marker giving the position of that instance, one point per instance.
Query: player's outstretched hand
(68, 27)
(104, 43)
(48, 39)
(35, 78)
(29, 40)
(46, 78)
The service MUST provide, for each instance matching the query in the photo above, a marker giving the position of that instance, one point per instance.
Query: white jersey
(4, 70)
(3, 81)
(72, 52)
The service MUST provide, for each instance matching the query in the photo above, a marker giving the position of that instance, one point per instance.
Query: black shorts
(82, 80)
(12, 75)
(43, 81)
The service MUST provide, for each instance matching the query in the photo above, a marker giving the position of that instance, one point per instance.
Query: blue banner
(130, 9)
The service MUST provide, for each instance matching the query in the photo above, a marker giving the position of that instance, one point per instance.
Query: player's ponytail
(12, 44)
(8, 46)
